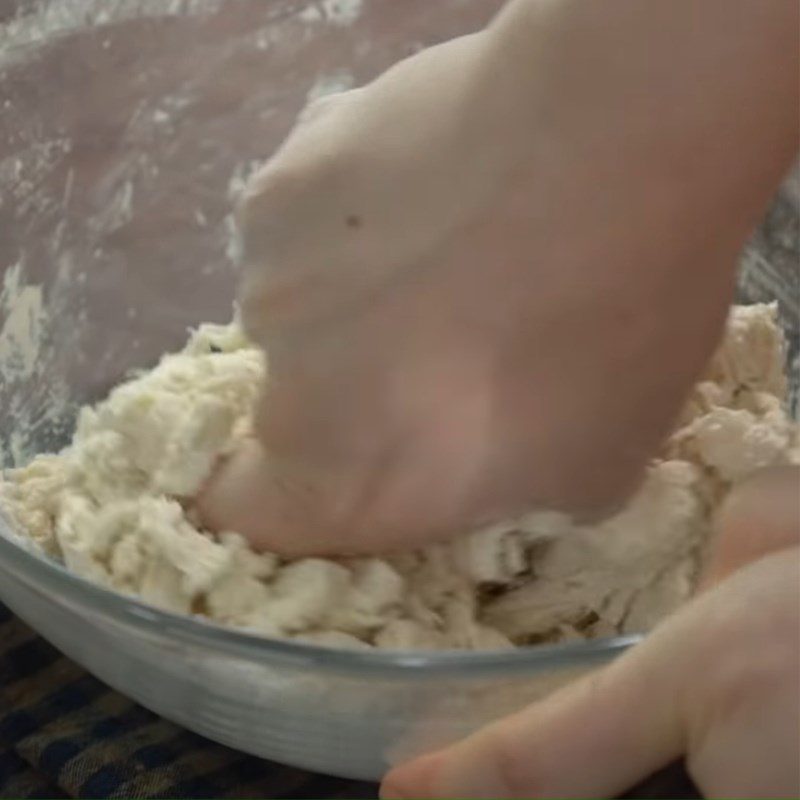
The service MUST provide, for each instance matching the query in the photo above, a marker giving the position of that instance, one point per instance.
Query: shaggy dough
(116, 507)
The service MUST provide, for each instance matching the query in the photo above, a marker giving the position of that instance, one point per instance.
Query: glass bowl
(126, 129)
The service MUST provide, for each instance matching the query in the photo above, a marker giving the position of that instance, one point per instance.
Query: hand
(719, 683)
(486, 280)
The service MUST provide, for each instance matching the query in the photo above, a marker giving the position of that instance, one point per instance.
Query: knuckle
(327, 104)
(515, 765)
(756, 673)
(741, 687)
(292, 198)
(314, 110)
(755, 655)
(274, 184)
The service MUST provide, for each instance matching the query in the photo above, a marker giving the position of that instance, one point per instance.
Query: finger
(599, 736)
(246, 495)
(760, 516)
(594, 738)
(282, 509)
(743, 733)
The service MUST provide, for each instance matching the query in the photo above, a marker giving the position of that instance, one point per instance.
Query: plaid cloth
(65, 734)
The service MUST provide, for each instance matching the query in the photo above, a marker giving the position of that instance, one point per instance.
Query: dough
(116, 507)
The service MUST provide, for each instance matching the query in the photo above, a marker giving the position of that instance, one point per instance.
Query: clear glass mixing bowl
(126, 128)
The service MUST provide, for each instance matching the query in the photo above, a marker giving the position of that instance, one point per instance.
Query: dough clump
(116, 507)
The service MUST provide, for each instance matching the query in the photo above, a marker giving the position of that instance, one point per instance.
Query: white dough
(116, 507)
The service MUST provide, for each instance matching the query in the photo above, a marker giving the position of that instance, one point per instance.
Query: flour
(25, 360)
(21, 333)
(116, 507)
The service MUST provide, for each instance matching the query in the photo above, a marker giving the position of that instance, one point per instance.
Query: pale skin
(469, 273)
(718, 683)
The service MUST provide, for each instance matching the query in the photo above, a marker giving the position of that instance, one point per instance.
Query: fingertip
(605, 722)
(484, 765)
(235, 497)
(416, 779)
(248, 495)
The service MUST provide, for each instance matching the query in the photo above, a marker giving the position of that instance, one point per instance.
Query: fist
(472, 303)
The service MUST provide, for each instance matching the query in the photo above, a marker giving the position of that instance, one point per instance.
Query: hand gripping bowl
(126, 127)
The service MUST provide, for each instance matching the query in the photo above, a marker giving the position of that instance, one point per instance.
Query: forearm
(701, 96)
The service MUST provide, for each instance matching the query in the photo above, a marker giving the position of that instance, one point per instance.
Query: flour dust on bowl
(128, 129)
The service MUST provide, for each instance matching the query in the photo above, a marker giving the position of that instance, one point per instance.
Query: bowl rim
(48, 577)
